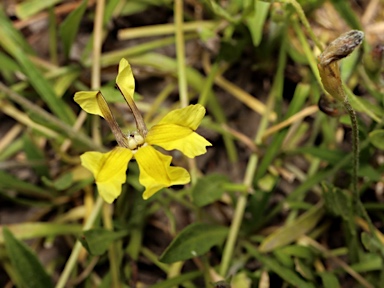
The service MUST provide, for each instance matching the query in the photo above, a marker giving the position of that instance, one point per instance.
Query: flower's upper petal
(125, 80)
(189, 116)
(156, 172)
(88, 102)
(171, 136)
(109, 170)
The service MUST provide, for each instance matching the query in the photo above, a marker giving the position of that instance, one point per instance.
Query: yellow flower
(175, 131)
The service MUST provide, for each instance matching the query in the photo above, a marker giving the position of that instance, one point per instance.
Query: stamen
(132, 143)
(135, 140)
(139, 139)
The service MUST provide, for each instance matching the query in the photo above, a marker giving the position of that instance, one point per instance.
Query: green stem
(112, 255)
(242, 200)
(72, 261)
(304, 20)
(355, 146)
(274, 94)
(164, 29)
(360, 209)
(180, 53)
(95, 75)
(237, 218)
(97, 43)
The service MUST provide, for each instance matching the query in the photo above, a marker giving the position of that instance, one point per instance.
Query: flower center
(135, 140)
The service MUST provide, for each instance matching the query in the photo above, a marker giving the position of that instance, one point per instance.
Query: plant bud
(328, 65)
(341, 47)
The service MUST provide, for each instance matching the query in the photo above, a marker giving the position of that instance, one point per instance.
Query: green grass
(272, 203)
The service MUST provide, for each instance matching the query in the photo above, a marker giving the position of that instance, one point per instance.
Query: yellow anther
(132, 144)
(139, 139)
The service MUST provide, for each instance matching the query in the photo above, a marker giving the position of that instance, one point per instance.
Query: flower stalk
(331, 79)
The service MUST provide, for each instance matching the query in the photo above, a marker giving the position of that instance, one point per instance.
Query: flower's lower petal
(109, 170)
(88, 102)
(156, 172)
(171, 136)
(189, 116)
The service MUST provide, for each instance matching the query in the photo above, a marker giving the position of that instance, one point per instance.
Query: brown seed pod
(328, 62)
(341, 47)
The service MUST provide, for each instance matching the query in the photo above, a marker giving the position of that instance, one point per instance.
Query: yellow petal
(88, 102)
(125, 80)
(156, 172)
(189, 116)
(171, 136)
(109, 170)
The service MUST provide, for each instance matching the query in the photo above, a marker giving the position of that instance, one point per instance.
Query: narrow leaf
(329, 280)
(70, 26)
(25, 262)
(36, 156)
(97, 241)
(28, 8)
(34, 230)
(285, 273)
(377, 138)
(256, 20)
(289, 233)
(10, 182)
(37, 80)
(195, 240)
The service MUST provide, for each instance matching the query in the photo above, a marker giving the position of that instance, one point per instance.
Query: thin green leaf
(372, 244)
(26, 9)
(304, 270)
(369, 262)
(8, 64)
(61, 183)
(331, 156)
(36, 78)
(371, 173)
(298, 251)
(284, 259)
(9, 182)
(97, 240)
(28, 268)
(299, 97)
(70, 26)
(339, 202)
(195, 240)
(35, 154)
(283, 272)
(329, 280)
(34, 230)
(291, 232)
(345, 10)
(255, 21)
(218, 10)
(178, 280)
(377, 138)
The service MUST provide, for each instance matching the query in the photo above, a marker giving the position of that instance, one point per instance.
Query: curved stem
(77, 248)
(304, 20)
